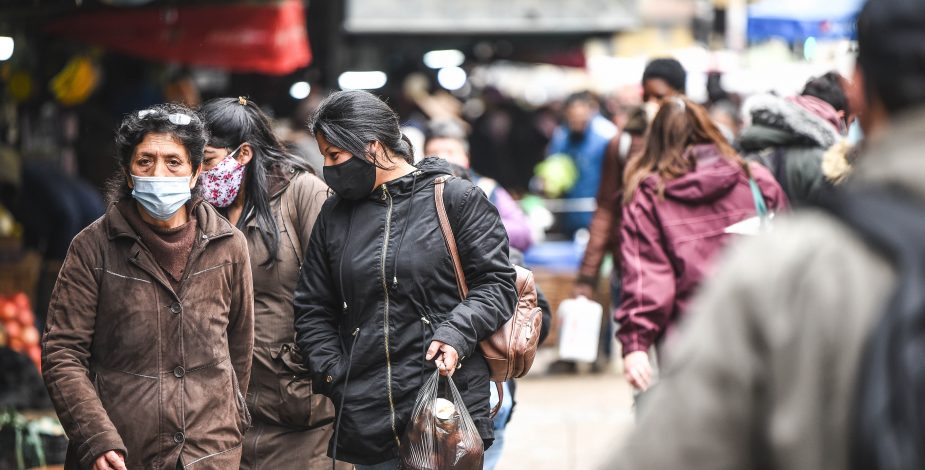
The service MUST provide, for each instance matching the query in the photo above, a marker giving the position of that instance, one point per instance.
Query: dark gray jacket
(791, 142)
(378, 286)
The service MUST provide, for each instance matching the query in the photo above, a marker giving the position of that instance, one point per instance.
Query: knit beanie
(669, 70)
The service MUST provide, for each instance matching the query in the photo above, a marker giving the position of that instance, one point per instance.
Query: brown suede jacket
(135, 366)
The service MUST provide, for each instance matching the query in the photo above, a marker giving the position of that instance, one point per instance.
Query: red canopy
(269, 38)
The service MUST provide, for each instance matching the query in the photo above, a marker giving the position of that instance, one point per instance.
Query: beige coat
(292, 425)
(764, 373)
(281, 390)
(134, 366)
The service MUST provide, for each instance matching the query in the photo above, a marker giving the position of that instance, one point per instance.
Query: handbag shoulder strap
(448, 236)
(761, 206)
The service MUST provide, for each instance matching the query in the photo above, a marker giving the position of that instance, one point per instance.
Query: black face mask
(576, 136)
(353, 179)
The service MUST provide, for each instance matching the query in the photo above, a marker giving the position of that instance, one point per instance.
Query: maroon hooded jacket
(668, 245)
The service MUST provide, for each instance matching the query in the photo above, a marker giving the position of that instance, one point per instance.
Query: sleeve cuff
(587, 280)
(638, 346)
(449, 335)
(98, 445)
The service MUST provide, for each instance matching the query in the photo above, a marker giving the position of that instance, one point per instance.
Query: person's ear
(128, 178)
(195, 177)
(245, 154)
(375, 151)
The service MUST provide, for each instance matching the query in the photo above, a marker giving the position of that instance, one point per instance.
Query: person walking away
(782, 353)
(663, 78)
(148, 345)
(377, 299)
(273, 198)
(790, 136)
(583, 136)
(681, 194)
(447, 140)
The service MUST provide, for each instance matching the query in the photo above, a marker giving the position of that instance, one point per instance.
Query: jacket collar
(895, 158)
(210, 223)
(427, 171)
(278, 179)
(794, 124)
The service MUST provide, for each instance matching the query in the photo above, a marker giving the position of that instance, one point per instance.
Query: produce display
(17, 327)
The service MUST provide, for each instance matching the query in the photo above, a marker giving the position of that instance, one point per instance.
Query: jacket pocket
(244, 415)
(298, 405)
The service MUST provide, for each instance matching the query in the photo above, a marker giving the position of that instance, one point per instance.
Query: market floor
(567, 422)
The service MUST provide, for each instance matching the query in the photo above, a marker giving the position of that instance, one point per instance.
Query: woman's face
(214, 155)
(333, 155)
(451, 150)
(161, 154)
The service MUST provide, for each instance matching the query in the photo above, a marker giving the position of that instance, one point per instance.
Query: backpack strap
(448, 236)
(888, 422)
(761, 207)
(450, 240)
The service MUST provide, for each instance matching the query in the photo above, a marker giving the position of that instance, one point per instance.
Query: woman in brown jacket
(274, 198)
(147, 350)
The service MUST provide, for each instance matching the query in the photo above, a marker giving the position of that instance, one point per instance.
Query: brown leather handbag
(510, 350)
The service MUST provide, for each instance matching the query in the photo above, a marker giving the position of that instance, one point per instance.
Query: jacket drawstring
(425, 323)
(404, 229)
(343, 398)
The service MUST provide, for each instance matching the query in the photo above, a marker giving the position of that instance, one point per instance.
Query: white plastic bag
(579, 329)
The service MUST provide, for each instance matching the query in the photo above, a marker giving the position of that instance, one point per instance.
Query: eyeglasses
(175, 118)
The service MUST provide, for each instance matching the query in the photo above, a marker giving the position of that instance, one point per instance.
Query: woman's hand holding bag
(447, 358)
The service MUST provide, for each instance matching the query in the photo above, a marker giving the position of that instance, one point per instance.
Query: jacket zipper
(385, 327)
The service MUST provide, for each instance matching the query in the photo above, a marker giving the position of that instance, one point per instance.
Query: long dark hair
(235, 121)
(352, 119)
(679, 124)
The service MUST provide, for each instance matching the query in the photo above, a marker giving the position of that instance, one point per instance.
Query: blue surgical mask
(161, 196)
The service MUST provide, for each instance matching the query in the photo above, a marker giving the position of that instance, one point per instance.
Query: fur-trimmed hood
(775, 121)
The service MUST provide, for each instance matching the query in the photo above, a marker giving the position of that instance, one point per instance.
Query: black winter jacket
(378, 286)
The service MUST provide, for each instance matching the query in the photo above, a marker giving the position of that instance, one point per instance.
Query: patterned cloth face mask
(221, 184)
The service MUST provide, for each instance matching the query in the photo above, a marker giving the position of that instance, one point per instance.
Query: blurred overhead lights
(452, 78)
(300, 90)
(443, 59)
(362, 80)
(6, 47)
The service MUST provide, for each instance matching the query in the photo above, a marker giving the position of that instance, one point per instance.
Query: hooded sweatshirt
(790, 140)
(668, 244)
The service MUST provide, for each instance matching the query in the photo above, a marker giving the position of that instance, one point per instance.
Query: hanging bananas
(75, 82)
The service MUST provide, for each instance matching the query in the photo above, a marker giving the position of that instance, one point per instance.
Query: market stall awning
(797, 20)
(268, 38)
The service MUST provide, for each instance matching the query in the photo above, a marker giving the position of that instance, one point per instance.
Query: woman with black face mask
(377, 305)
